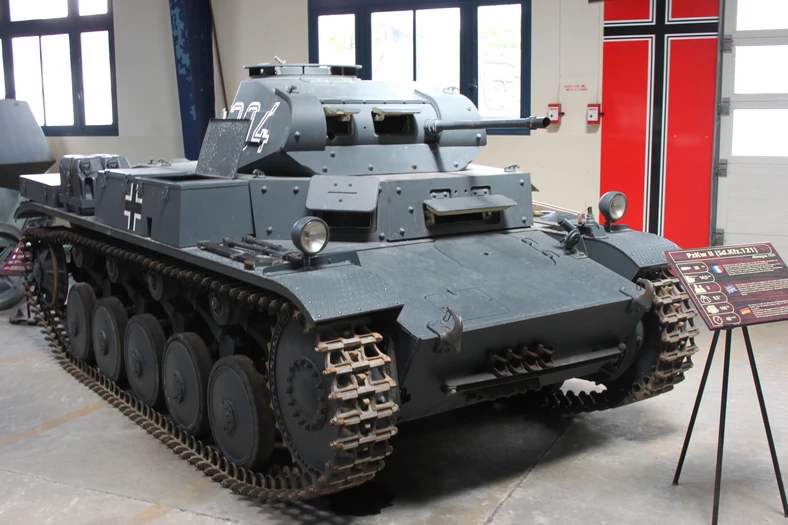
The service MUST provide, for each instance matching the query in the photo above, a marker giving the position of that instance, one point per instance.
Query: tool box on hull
(174, 206)
(43, 188)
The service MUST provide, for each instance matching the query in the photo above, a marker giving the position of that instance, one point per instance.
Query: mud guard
(327, 292)
(339, 291)
(628, 252)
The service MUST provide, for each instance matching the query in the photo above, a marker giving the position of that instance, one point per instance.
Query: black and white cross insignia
(132, 207)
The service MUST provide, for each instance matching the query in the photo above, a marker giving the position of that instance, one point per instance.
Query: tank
(331, 266)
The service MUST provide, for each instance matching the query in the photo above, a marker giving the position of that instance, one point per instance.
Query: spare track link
(356, 460)
(675, 312)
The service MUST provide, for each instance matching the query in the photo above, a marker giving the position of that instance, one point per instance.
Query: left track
(365, 425)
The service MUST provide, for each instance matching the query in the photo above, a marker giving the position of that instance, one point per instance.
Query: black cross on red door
(132, 206)
(658, 97)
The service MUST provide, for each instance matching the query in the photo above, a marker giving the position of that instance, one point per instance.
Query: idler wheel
(143, 350)
(109, 326)
(242, 422)
(79, 321)
(50, 274)
(186, 368)
(300, 393)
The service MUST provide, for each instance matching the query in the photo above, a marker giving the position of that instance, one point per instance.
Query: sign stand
(723, 409)
(732, 287)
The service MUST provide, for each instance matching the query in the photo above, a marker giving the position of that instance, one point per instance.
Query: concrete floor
(67, 458)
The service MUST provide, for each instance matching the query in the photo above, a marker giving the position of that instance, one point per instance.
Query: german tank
(332, 265)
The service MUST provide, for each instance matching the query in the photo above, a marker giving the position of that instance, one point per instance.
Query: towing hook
(643, 301)
(449, 338)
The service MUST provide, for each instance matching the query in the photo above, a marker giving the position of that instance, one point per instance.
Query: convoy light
(613, 206)
(310, 235)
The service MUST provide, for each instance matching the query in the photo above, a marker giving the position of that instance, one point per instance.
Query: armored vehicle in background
(332, 265)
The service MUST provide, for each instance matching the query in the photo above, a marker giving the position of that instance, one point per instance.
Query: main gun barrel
(436, 126)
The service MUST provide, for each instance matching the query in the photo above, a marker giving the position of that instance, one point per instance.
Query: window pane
(38, 9)
(438, 48)
(760, 132)
(96, 78)
(2, 72)
(756, 69)
(499, 60)
(92, 7)
(336, 35)
(27, 74)
(56, 66)
(392, 46)
(762, 14)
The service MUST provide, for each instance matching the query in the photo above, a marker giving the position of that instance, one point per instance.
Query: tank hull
(511, 290)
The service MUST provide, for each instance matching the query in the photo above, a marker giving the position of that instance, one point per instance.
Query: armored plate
(221, 148)
(336, 193)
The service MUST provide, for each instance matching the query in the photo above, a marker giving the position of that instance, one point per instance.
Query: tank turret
(312, 119)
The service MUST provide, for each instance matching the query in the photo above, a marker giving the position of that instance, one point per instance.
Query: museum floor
(67, 458)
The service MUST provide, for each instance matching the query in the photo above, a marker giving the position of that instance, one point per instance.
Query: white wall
(149, 121)
(253, 32)
(564, 160)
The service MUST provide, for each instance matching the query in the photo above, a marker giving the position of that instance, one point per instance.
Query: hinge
(724, 108)
(727, 44)
(722, 168)
(718, 237)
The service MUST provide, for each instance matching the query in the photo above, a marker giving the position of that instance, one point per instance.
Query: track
(365, 416)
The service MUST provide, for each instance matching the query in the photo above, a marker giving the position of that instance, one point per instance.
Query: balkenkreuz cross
(132, 207)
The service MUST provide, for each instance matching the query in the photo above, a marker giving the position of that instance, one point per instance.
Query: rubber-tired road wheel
(109, 326)
(186, 368)
(242, 421)
(79, 317)
(143, 350)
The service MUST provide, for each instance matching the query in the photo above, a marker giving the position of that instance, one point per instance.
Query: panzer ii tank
(332, 265)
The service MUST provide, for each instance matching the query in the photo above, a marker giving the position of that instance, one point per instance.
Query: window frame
(73, 25)
(469, 52)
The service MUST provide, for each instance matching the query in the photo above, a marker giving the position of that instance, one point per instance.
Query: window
(57, 55)
(756, 15)
(480, 47)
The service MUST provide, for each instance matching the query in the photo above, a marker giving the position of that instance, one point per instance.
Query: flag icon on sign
(745, 311)
(717, 269)
(731, 289)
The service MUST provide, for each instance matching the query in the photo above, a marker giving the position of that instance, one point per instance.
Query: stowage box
(173, 206)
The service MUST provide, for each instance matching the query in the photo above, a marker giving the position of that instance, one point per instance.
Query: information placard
(734, 285)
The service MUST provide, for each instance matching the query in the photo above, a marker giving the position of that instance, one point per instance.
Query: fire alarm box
(594, 113)
(554, 113)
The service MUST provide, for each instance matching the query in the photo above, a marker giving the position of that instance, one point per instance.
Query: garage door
(752, 197)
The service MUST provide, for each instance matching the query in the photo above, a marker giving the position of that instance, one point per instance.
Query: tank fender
(339, 290)
(628, 252)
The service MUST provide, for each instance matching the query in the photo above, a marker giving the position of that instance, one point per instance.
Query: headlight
(613, 206)
(310, 235)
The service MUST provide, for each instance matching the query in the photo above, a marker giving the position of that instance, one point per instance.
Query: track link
(365, 427)
(675, 313)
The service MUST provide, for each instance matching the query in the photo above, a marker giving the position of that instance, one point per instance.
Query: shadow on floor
(457, 451)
